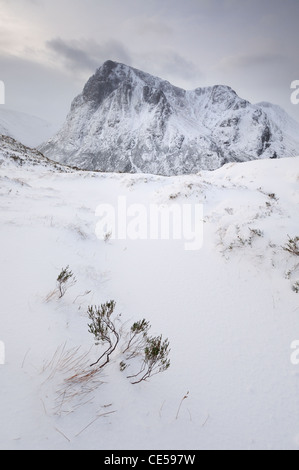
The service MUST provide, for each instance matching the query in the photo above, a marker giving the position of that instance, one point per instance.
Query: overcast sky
(49, 48)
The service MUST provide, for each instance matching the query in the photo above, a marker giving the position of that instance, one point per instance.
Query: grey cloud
(180, 67)
(36, 89)
(152, 25)
(172, 66)
(251, 60)
(250, 45)
(87, 55)
(74, 56)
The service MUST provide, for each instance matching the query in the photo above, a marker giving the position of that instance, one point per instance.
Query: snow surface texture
(29, 130)
(128, 121)
(228, 310)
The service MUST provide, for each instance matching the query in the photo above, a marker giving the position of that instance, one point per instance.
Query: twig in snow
(82, 295)
(183, 399)
(206, 421)
(98, 417)
(160, 412)
(25, 357)
(44, 406)
(60, 432)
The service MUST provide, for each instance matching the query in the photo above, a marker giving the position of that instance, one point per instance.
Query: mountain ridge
(126, 120)
(15, 154)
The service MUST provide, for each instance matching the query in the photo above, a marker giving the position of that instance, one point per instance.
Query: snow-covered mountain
(129, 121)
(29, 130)
(283, 121)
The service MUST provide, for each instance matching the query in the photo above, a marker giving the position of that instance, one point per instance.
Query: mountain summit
(126, 120)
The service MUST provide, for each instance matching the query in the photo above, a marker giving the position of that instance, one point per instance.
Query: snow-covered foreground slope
(228, 310)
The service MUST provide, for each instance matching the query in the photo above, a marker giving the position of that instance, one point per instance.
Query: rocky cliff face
(126, 120)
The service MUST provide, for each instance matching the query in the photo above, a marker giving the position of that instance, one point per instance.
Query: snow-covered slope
(284, 122)
(228, 310)
(129, 121)
(15, 154)
(29, 130)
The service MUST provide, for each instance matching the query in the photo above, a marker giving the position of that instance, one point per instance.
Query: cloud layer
(250, 45)
(87, 55)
